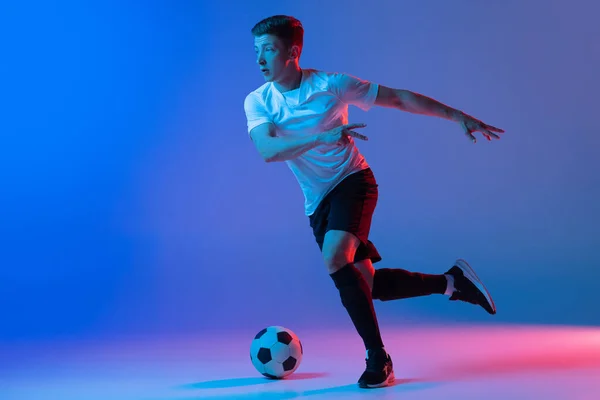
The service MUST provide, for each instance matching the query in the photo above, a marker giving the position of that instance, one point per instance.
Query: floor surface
(459, 362)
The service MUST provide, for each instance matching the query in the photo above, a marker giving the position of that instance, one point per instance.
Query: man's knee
(367, 270)
(335, 261)
(339, 249)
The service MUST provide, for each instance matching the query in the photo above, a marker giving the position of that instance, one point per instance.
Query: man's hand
(471, 125)
(341, 134)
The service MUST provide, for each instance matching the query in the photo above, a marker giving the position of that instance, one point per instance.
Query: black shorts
(349, 207)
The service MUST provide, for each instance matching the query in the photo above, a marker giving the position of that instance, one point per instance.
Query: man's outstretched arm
(416, 103)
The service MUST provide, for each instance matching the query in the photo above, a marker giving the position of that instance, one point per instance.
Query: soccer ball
(276, 352)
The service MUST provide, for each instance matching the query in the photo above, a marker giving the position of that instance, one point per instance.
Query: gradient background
(133, 203)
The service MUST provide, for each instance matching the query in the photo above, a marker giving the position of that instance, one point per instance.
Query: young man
(300, 116)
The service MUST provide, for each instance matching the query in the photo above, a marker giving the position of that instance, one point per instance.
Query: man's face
(271, 56)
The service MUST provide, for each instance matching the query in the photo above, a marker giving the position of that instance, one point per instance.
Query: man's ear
(294, 52)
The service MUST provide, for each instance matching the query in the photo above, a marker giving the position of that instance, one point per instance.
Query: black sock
(356, 298)
(393, 284)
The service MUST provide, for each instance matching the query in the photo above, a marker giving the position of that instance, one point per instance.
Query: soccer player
(300, 116)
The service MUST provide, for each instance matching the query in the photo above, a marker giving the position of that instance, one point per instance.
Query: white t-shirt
(319, 104)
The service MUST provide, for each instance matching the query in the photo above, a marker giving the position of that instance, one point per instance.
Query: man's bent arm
(283, 148)
(274, 148)
(416, 103)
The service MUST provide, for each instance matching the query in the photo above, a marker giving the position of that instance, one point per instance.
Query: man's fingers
(490, 133)
(493, 129)
(469, 134)
(477, 126)
(355, 134)
(354, 126)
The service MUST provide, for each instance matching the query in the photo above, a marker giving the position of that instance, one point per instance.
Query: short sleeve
(256, 113)
(353, 90)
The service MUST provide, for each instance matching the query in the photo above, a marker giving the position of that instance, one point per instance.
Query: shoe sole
(390, 379)
(470, 274)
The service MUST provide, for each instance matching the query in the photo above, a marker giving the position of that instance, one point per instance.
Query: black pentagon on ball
(284, 337)
(264, 355)
(289, 364)
(301, 349)
(259, 334)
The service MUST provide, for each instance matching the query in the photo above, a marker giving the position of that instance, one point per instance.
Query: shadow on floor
(259, 380)
(401, 385)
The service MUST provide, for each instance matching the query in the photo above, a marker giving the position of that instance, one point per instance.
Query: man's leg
(392, 284)
(460, 283)
(339, 248)
(338, 253)
(340, 224)
(367, 270)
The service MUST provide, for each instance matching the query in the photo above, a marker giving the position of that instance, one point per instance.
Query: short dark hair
(287, 28)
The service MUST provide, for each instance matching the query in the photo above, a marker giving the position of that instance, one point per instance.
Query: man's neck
(290, 81)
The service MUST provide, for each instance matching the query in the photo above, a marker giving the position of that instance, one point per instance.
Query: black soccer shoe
(379, 372)
(469, 288)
